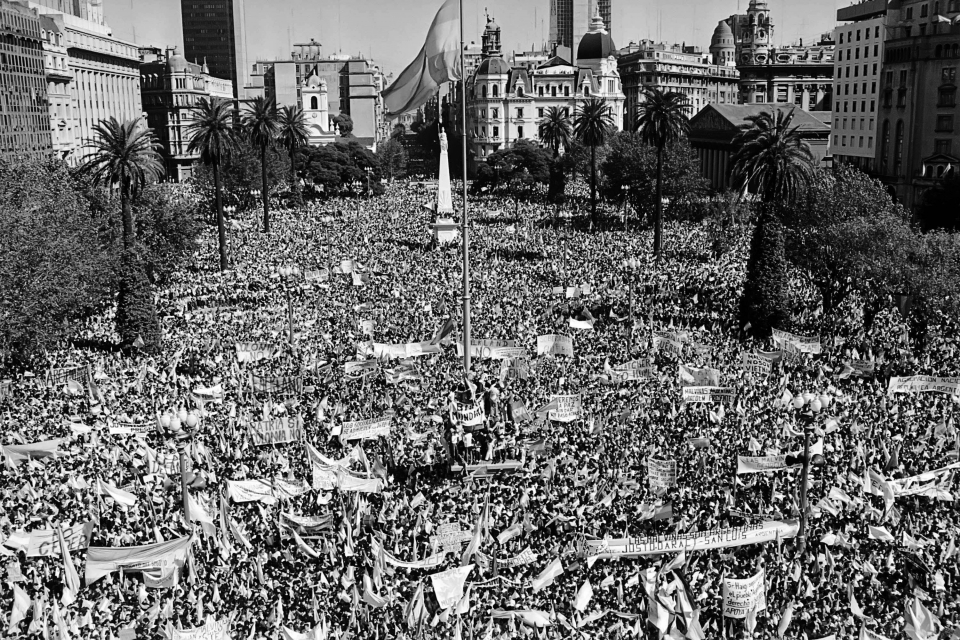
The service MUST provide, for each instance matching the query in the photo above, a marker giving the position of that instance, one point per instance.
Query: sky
(392, 31)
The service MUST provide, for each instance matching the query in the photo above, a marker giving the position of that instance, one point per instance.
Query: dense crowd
(527, 493)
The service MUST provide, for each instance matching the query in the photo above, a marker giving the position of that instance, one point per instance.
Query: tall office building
(570, 20)
(214, 32)
(24, 121)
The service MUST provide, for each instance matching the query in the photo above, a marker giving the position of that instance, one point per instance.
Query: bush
(54, 270)
(764, 303)
(136, 312)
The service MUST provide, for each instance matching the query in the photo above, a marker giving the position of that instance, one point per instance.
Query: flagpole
(466, 226)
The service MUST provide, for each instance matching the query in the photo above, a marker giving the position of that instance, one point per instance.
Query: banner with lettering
(741, 596)
(44, 542)
(429, 562)
(60, 377)
(632, 372)
(492, 349)
(402, 372)
(277, 431)
(525, 557)
(366, 429)
(568, 408)
(265, 491)
(359, 369)
(668, 345)
(468, 415)
(760, 464)
(708, 395)
(154, 558)
(280, 385)
(694, 377)
(518, 368)
(518, 412)
(401, 351)
(757, 365)
(661, 475)
(556, 345)
(120, 428)
(802, 344)
(693, 541)
(307, 525)
(924, 384)
(255, 351)
(316, 275)
(212, 629)
(450, 537)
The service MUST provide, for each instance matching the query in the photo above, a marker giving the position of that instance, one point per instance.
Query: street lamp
(182, 426)
(626, 200)
(289, 276)
(631, 266)
(369, 171)
(806, 460)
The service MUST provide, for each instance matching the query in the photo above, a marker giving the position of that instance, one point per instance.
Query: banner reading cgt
(694, 541)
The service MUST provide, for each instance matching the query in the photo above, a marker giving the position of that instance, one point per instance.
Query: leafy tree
(240, 176)
(592, 125)
(345, 124)
(629, 162)
(661, 121)
(169, 226)
(127, 155)
(772, 158)
(213, 136)
(337, 166)
(555, 130)
(261, 126)
(392, 158)
(293, 136)
(524, 162)
(53, 268)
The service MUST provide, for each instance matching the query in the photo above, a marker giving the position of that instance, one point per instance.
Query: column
(806, 97)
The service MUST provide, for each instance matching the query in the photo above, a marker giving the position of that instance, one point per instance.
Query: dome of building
(596, 43)
(722, 35)
(313, 80)
(493, 67)
(177, 64)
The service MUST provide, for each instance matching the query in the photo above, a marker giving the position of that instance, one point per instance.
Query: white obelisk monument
(444, 193)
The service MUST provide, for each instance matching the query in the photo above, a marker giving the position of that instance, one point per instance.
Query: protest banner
(675, 336)
(741, 596)
(367, 327)
(60, 377)
(212, 629)
(14, 453)
(557, 345)
(366, 429)
(801, 344)
(661, 475)
(568, 408)
(924, 384)
(429, 562)
(756, 364)
(316, 275)
(693, 541)
(44, 542)
(255, 351)
(154, 558)
(485, 349)
(514, 368)
(276, 431)
(518, 412)
(525, 557)
(280, 385)
(863, 368)
(707, 395)
(632, 372)
(450, 537)
(266, 491)
(120, 428)
(760, 464)
(485, 469)
(694, 377)
(349, 266)
(468, 415)
(667, 345)
(307, 525)
(448, 585)
(403, 371)
(357, 370)
(700, 443)
(401, 351)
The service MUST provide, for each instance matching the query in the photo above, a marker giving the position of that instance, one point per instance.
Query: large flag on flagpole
(437, 62)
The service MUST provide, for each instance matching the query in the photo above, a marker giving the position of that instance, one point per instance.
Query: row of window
(853, 124)
(866, 35)
(853, 141)
(856, 71)
(856, 52)
(845, 89)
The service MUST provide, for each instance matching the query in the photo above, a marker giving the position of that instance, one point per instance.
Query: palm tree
(260, 123)
(661, 121)
(592, 125)
(213, 136)
(556, 130)
(773, 158)
(126, 155)
(293, 135)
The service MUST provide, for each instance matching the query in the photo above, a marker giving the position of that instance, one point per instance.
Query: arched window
(484, 91)
(884, 146)
(314, 103)
(586, 90)
(540, 91)
(898, 150)
(496, 90)
(519, 91)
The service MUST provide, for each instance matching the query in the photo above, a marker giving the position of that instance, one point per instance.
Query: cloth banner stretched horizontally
(161, 557)
(212, 629)
(740, 597)
(694, 541)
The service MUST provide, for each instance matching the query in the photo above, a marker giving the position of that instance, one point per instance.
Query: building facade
(796, 74)
(857, 63)
(172, 88)
(675, 68)
(214, 33)
(919, 141)
(56, 67)
(570, 20)
(24, 115)
(505, 104)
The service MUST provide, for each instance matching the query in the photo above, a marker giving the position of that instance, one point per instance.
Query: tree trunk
(221, 225)
(293, 172)
(593, 183)
(658, 219)
(264, 190)
(126, 213)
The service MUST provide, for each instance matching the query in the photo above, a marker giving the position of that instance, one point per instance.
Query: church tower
(758, 35)
(316, 109)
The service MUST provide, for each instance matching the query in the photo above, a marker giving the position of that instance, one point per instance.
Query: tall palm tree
(127, 155)
(261, 126)
(213, 136)
(592, 126)
(773, 158)
(661, 121)
(293, 135)
(556, 130)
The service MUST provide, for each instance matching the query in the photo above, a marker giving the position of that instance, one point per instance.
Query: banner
(241, 491)
(450, 537)
(366, 429)
(802, 344)
(448, 585)
(467, 415)
(756, 364)
(760, 464)
(485, 349)
(401, 351)
(556, 345)
(367, 327)
(161, 558)
(44, 542)
(281, 385)
(307, 525)
(518, 368)
(741, 596)
(632, 371)
(693, 377)
(356, 370)
(708, 395)
(568, 408)
(317, 275)
(212, 629)
(60, 377)
(863, 368)
(524, 558)
(277, 431)
(402, 372)
(693, 541)
(668, 345)
(255, 351)
(661, 475)
(14, 453)
(430, 562)
(924, 384)
(130, 428)
(518, 412)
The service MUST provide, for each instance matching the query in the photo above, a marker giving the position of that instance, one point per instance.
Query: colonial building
(674, 68)
(505, 104)
(713, 130)
(24, 116)
(796, 74)
(316, 111)
(919, 141)
(172, 88)
(856, 85)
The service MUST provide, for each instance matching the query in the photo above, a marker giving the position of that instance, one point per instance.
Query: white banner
(924, 384)
(211, 630)
(632, 371)
(131, 429)
(802, 344)
(568, 408)
(255, 351)
(555, 345)
(708, 395)
(493, 349)
(740, 596)
(757, 365)
(467, 415)
(401, 351)
(760, 464)
(661, 475)
(276, 431)
(694, 377)
(693, 541)
(366, 429)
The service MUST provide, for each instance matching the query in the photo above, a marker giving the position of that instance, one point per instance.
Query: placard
(468, 415)
(255, 351)
(450, 537)
(486, 349)
(667, 345)
(708, 395)
(131, 428)
(632, 372)
(60, 377)
(568, 408)
(277, 431)
(694, 540)
(803, 344)
(760, 464)
(924, 384)
(366, 429)
(756, 365)
(280, 385)
(518, 368)
(741, 596)
(661, 475)
(557, 345)
(694, 377)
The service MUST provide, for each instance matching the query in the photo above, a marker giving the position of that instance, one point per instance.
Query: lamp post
(287, 275)
(806, 461)
(626, 200)
(630, 266)
(369, 171)
(182, 426)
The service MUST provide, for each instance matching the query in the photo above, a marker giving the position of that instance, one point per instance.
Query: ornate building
(24, 117)
(316, 111)
(59, 76)
(795, 74)
(569, 22)
(172, 87)
(505, 104)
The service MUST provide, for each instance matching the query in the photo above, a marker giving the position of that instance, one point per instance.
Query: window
(496, 90)
(519, 91)
(540, 91)
(495, 113)
(496, 132)
(876, 33)
(947, 97)
(902, 98)
(948, 75)
(944, 123)
(566, 91)
(943, 146)
(898, 150)
(870, 142)
(519, 132)
(540, 112)
(835, 138)
(314, 103)
(858, 35)
(520, 112)
(843, 141)
(888, 98)
(923, 11)
(484, 91)
(903, 78)
(909, 13)
(884, 145)
(553, 92)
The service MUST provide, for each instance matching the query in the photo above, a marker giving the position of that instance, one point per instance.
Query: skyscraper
(570, 20)
(214, 32)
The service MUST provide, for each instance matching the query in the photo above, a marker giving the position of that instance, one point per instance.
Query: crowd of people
(491, 471)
